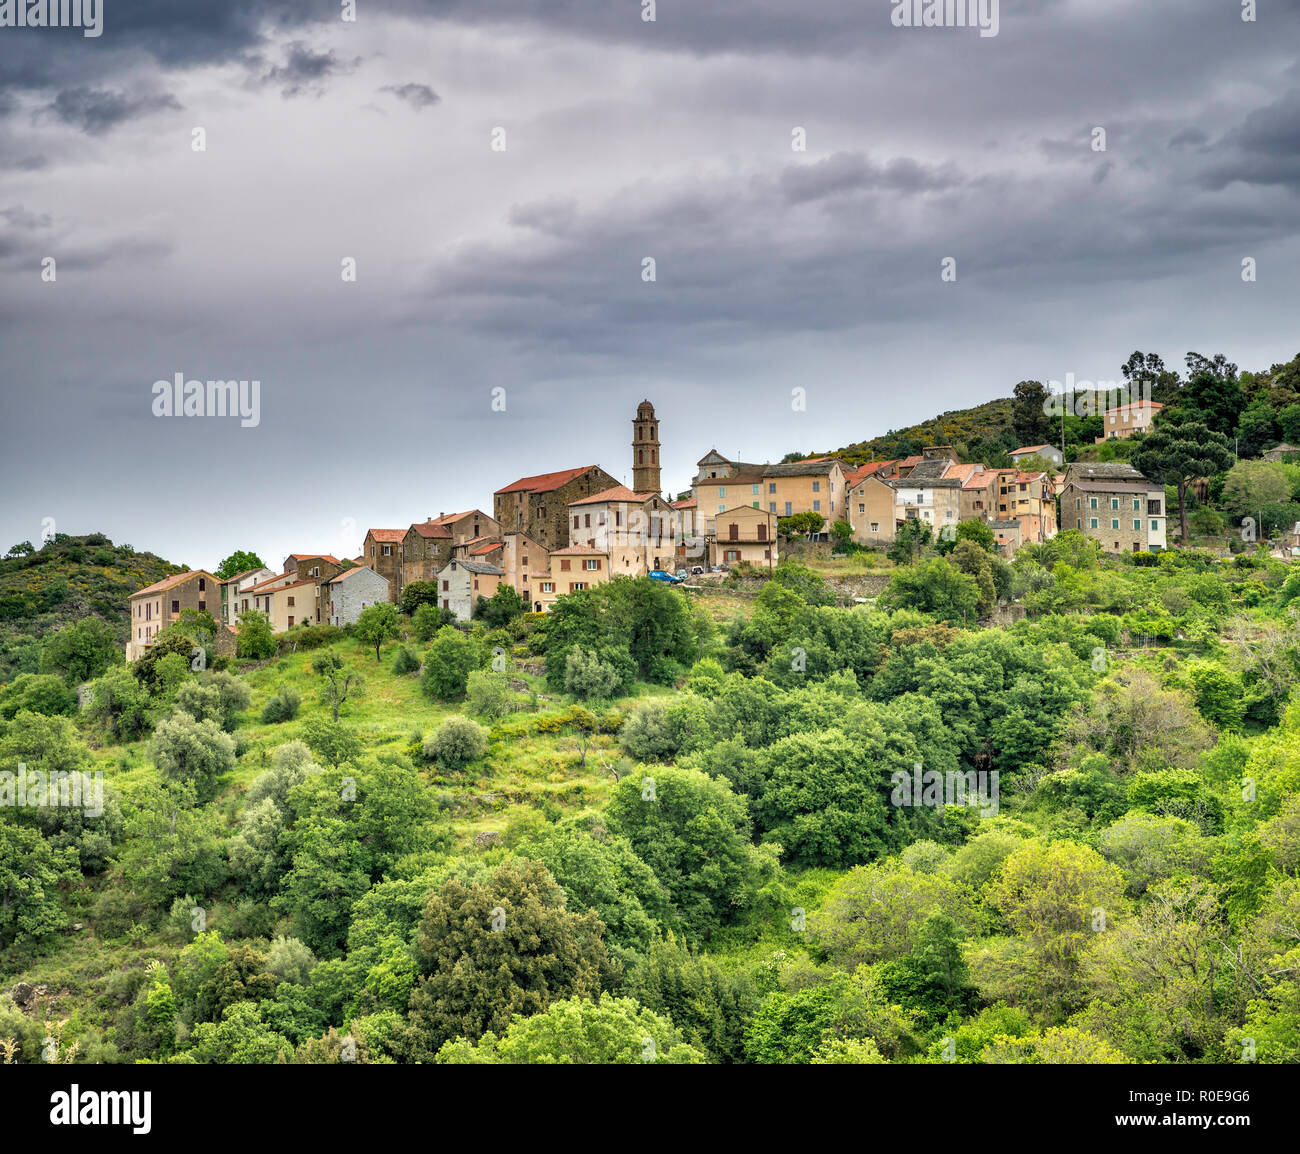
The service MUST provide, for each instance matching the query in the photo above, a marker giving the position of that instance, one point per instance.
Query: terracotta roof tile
(175, 579)
(546, 482)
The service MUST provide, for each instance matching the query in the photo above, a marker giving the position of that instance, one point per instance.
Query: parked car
(660, 575)
(681, 574)
(697, 570)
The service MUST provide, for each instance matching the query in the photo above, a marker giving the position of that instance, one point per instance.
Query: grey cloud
(304, 68)
(98, 110)
(416, 95)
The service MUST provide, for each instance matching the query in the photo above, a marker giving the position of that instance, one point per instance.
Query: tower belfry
(645, 449)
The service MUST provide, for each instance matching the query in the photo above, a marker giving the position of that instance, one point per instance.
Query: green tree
(912, 537)
(254, 637)
(339, 682)
(502, 608)
(1030, 415)
(455, 743)
(427, 619)
(935, 587)
(694, 833)
(332, 742)
(576, 1031)
(193, 752)
(451, 659)
(488, 951)
(587, 677)
(1177, 451)
(239, 561)
(32, 873)
(1250, 485)
(376, 624)
(417, 593)
(37, 693)
(82, 651)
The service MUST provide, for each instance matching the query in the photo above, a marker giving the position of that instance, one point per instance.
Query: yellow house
(156, 606)
(286, 602)
(745, 534)
(573, 568)
(639, 532)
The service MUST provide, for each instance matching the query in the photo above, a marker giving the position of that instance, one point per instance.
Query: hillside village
(567, 530)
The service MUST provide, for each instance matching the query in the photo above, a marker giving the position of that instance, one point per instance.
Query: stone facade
(1126, 516)
(353, 590)
(156, 606)
(382, 553)
(538, 506)
(462, 583)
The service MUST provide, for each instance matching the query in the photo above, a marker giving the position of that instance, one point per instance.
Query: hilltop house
(539, 506)
(1123, 421)
(639, 531)
(1046, 452)
(573, 567)
(232, 588)
(461, 583)
(156, 606)
(1113, 503)
(382, 552)
(288, 600)
(744, 534)
(346, 594)
(1029, 498)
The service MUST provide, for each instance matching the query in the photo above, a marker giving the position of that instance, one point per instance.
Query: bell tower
(645, 450)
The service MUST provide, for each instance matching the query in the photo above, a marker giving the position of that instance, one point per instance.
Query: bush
(193, 751)
(283, 706)
(455, 743)
(427, 620)
(451, 659)
(488, 694)
(586, 676)
(405, 662)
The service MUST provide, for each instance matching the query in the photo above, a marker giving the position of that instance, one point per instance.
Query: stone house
(426, 548)
(1124, 514)
(156, 606)
(382, 553)
(538, 506)
(1046, 452)
(461, 583)
(346, 594)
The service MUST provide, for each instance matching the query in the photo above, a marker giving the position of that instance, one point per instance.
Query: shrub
(488, 694)
(451, 659)
(455, 743)
(283, 706)
(405, 662)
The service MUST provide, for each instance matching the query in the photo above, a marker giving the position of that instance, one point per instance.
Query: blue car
(660, 575)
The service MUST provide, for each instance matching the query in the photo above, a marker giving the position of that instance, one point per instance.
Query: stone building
(645, 450)
(156, 606)
(348, 593)
(538, 506)
(461, 583)
(382, 552)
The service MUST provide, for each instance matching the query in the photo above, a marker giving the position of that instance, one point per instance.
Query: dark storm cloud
(304, 68)
(97, 110)
(416, 95)
(1265, 149)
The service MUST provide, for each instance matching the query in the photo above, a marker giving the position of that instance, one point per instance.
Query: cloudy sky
(481, 268)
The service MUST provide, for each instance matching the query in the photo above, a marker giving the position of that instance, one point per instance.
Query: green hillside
(970, 431)
(67, 579)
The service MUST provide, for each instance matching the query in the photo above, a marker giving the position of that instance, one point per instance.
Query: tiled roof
(689, 503)
(579, 550)
(1154, 406)
(386, 535)
(1028, 449)
(175, 579)
(312, 557)
(269, 582)
(617, 493)
(1124, 486)
(818, 467)
(347, 573)
(263, 591)
(546, 482)
(431, 530)
(480, 567)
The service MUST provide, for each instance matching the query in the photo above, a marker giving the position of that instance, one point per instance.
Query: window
(788, 508)
(722, 490)
(291, 601)
(1024, 488)
(1092, 502)
(1114, 522)
(1114, 502)
(875, 526)
(762, 532)
(1092, 522)
(575, 520)
(446, 604)
(593, 563)
(817, 486)
(202, 606)
(1078, 523)
(754, 489)
(575, 586)
(733, 533)
(771, 486)
(861, 507)
(1153, 507)
(1155, 526)
(548, 586)
(771, 506)
(1136, 504)
(564, 564)
(1137, 525)
(817, 506)
(722, 508)
(291, 622)
(176, 606)
(446, 585)
(388, 550)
